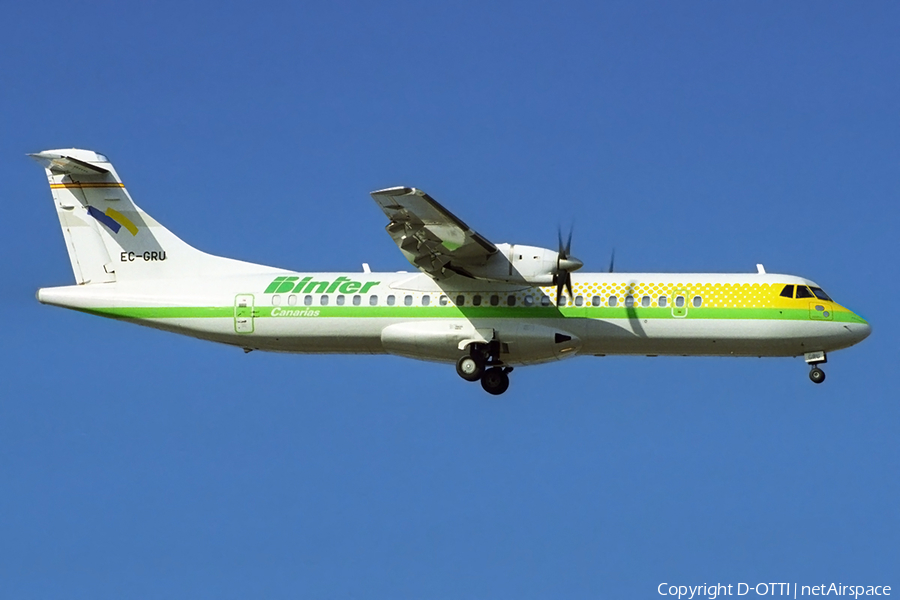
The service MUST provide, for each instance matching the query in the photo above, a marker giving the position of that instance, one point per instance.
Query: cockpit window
(788, 291)
(820, 293)
(803, 292)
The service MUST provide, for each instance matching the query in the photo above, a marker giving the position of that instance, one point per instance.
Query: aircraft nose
(864, 331)
(859, 330)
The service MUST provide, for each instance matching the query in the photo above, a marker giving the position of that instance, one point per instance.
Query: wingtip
(394, 191)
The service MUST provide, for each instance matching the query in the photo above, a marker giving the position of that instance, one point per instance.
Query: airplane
(484, 307)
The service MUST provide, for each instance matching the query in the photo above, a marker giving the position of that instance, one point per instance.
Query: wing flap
(432, 238)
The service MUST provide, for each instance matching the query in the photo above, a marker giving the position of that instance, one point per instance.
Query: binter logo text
(341, 285)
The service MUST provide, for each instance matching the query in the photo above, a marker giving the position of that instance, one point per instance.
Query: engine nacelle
(517, 263)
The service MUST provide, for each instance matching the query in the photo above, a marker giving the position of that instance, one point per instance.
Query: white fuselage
(410, 314)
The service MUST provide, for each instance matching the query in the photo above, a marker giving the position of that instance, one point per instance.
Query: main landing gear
(814, 359)
(496, 380)
(469, 369)
(483, 364)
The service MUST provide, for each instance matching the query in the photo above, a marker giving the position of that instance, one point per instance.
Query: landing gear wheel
(469, 369)
(495, 381)
(817, 375)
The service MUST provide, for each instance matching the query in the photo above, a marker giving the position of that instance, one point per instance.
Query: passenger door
(243, 313)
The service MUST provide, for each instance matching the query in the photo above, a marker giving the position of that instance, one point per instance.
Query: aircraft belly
(713, 337)
(319, 335)
(438, 339)
(302, 336)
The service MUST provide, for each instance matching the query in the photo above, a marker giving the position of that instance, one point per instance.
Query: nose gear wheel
(817, 375)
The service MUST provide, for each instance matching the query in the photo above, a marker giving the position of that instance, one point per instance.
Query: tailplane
(109, 238)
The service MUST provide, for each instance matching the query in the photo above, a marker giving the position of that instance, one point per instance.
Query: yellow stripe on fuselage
(713, 294)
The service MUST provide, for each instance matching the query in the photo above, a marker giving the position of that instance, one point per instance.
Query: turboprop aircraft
(485, 307)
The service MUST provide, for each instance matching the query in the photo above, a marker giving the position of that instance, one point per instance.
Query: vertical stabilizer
(108, 237)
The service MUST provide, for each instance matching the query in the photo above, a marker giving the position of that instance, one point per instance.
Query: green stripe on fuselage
(468, 312)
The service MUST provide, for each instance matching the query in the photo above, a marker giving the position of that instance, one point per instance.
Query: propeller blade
(565, 264)
(562, 250)
(612, 260)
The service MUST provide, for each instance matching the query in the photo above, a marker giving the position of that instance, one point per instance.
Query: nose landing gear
(814, 359)
(474, 367)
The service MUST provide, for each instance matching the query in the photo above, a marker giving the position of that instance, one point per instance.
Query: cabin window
(545, 300)
(613, 301)
(820, 293)
(803, 292)
(596, 300)
(292, 299)
(662, 301)
(460, 300)
(340, 300)
(788, 291)
(426, 300)
(562, 300)
(697, 301)
(495, 300)
(679, 301)
(276, 300)
(629, 301)
(307, 300)
(357, 300)
(324, 300)
(529, 300)
(373, 300)
(443, 300)
(579, 300)
(476, 300)
(391, 300)
(510, 300)
(407, 300)
(645, 301)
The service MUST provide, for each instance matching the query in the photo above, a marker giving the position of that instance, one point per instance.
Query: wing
(430, 236)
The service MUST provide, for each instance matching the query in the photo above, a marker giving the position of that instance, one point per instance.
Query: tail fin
(108, 237)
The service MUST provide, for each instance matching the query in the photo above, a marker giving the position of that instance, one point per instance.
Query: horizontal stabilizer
(60, 164)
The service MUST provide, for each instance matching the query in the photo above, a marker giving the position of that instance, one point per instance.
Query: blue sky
(698, 136)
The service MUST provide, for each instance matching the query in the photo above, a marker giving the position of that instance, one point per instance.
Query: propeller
(566, 264)
(612, 260)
